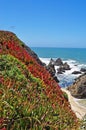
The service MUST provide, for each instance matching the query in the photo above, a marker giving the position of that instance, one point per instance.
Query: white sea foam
(67, 78)
(45, 60)
(82, 65)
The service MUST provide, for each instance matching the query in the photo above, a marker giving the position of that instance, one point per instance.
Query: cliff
(78, 89)
(29, 97)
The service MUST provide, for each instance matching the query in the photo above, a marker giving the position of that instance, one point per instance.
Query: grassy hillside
(29, 97)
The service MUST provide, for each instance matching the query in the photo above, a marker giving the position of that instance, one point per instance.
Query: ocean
(75, 57)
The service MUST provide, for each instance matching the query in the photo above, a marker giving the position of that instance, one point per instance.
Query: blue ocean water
(78, 54)
(75, 57)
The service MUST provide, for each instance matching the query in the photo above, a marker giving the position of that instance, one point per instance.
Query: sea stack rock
(51, 69)
(52, 62)
(66, 66)
(58, 62)
(63, 67)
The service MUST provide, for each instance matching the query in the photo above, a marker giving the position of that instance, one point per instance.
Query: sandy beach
(76, 105)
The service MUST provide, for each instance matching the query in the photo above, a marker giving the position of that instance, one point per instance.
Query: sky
(46, 23)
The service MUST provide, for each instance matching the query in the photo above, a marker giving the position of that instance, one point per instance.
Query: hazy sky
(57, 23)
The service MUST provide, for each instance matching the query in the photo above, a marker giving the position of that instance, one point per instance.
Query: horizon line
(57, 47)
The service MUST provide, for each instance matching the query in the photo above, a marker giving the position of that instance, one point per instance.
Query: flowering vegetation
(29, 97)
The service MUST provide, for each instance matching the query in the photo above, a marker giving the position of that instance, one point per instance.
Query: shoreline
(77, 108)
(66, 76)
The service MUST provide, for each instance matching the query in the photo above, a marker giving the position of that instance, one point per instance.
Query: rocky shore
(62, 67)
(78, 89)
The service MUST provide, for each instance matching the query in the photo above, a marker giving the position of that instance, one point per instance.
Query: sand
(76, 105)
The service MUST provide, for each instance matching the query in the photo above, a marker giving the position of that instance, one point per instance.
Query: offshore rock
(58, 62)
(52, 62)
(66, 66)
(62, 68)
(76, 72)
(83, 70)
(51, 70)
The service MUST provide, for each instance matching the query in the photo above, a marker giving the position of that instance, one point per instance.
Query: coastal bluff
(30, 98)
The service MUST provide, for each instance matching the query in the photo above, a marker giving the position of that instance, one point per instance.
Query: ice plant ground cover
(29, 97)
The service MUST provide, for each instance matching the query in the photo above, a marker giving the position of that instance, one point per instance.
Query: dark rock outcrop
(76, 72)
(66, 66)
(51, 69)
(62, 68)
(52, 62)
(56, 79)
(58, 62)
(34, 55)
(83, 70)
(78, 89)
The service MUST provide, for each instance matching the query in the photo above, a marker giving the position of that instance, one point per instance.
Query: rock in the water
(78, 89)
(83, 70)
(51, 69)
(66, 66)
(51, 62)
(76, 72)
(62, 68)
(58, 62)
